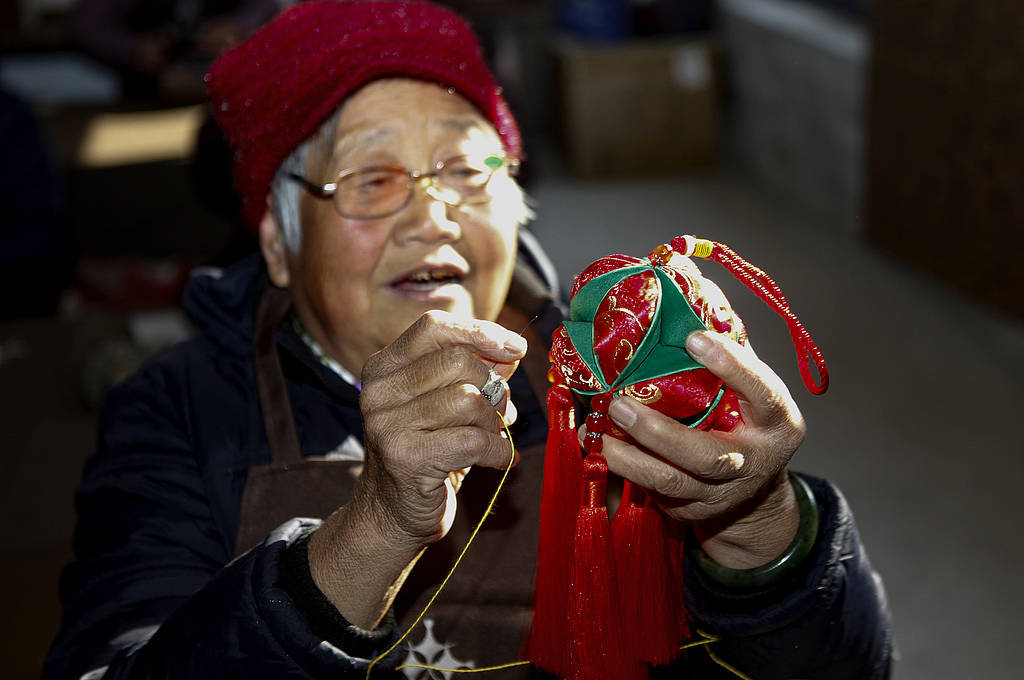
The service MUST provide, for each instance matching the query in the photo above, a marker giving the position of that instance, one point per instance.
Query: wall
(795, 82)
(947, 101)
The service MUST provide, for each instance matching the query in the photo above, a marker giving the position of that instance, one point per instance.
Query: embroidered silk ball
(609, 597)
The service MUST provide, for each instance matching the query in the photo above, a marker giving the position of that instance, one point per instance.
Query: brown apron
(482, 615)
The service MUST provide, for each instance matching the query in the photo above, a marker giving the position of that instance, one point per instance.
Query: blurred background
(865, 153)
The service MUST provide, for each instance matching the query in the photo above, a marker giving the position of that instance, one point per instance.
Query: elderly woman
(339, 376)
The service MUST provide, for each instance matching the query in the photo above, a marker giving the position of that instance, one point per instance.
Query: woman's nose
(427, 216)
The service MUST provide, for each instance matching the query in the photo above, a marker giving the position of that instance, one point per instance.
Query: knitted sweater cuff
(324, 618)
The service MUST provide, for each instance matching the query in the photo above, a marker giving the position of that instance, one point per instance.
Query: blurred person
(144, 39)
(361, 370)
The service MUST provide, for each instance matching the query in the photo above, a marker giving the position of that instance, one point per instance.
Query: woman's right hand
(425, 420)
(425, 423)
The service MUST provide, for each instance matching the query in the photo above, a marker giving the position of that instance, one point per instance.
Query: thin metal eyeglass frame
(327, 191)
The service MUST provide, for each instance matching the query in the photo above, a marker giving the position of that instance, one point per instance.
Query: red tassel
(596, 646)
(626, 528)
(650, 599)
(547, 642)
(675, 550)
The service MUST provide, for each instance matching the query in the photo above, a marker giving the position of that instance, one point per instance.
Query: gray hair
(286, 193)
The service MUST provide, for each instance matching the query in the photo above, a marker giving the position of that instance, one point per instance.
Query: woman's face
(358, 284)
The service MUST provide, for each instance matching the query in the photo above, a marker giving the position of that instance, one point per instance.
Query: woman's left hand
(731, 486)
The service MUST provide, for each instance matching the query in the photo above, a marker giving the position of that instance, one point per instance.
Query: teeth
(427, 276)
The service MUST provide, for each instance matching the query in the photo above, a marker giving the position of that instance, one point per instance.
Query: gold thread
(698, 643)
(437, 593)
(703, 248)
(731, 669)
(706, 641)
(463, 670)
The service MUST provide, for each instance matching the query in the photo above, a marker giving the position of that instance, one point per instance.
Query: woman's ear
(275, 252)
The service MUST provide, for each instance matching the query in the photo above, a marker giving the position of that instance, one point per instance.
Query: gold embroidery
(578, 378)
(613, 306)
(645, 394)
(623, 354)
(650, 290)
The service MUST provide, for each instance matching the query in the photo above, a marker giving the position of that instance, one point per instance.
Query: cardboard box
(638, 107)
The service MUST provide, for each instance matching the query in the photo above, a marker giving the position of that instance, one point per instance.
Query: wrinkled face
(358, 284)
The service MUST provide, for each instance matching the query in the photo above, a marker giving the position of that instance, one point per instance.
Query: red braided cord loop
(761, 284)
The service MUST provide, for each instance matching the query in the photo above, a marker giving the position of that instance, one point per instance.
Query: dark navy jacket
(154, 590)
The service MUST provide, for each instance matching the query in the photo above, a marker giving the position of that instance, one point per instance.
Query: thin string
(762, 285)
(706, 641)
(464, 670)
(437, 593)
(738, 673)
(528, 324)
(698, 643)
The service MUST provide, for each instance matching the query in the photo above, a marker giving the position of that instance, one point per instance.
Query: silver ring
(494, 389)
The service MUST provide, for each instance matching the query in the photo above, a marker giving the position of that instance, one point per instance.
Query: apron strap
(273, 392)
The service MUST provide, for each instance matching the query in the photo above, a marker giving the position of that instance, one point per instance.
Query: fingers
(696, 476)
(431, 455)
(451, 406)
(429, 381)
(765, 399)
(444, 381)
(425, 417)
(438, 352)
(681, 494)
(700, 454)
(437, 330)
(728, 484)
(702, 475)
(462, 447)
(649, 472)
(434, 371)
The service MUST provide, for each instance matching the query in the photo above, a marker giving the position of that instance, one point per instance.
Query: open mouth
(427, 280)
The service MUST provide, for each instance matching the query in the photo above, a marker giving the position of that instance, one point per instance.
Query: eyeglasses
(380, 191)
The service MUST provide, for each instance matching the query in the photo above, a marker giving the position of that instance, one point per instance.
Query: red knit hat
(274, 90)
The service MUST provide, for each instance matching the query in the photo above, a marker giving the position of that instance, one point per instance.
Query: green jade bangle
(782, 565)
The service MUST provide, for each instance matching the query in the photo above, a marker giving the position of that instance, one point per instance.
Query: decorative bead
(660, 255)
(597, 423)
(593, 443)
(683, 244)
(601, 402)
